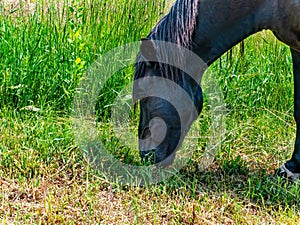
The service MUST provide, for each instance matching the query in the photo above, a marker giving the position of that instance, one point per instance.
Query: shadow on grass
(236, 181)
(228, 177)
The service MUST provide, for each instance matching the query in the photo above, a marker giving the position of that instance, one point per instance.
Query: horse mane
(176, 27)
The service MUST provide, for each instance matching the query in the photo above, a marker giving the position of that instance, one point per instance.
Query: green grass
(44, 55)
(45, 177)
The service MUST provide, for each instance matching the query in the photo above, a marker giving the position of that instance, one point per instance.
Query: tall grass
(261, 78)
(44, 53)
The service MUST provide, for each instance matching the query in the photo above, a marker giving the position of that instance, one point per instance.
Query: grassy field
(45, 50)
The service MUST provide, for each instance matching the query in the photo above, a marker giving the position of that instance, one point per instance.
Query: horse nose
(148, 157)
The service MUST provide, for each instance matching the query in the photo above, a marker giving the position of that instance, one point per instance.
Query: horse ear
(148, 50)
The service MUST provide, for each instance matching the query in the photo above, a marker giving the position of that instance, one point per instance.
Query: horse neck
(221, 24)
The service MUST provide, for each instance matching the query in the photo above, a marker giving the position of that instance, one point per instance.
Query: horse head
(167, 107)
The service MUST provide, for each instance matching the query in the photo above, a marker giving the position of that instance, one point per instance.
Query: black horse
(207, 29)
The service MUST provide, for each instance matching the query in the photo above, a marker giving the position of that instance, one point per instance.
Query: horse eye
(146, 133)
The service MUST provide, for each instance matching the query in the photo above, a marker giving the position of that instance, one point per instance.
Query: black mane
(176, 27)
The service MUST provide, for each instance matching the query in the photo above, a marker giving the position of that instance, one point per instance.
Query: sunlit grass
(44, 176)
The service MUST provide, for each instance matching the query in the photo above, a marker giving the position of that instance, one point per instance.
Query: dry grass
(11, 6)
(56, 200)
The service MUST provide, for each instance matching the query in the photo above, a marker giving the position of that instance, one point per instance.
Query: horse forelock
(177, 27)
